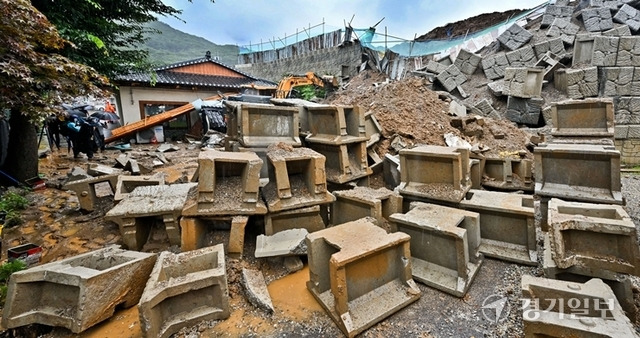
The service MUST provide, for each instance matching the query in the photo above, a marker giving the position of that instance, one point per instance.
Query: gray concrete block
(588, 118)
(628, 51)
(391, 171)
(594, 236)
(621, 132)
(597, 19)
(634, 131)
(297, 179)
(522, 57)
(524, 111)
(629, 16)
(77, 174)
(618, 31)
(494, 65)
(514, 37)
(560, 172)
(284, 243)
(435, 172)
(616, 81)
(344, 162)
(581, 83)
(486, 109)
(255, 288)
(451, 78)
(553, 12)
(136, 214)
(85, 189)
(596, 314)
(308, 217)
(77, 292)
(507, 228)
(467, 61)
(359, 202)
(126, 184)
(508, 174)
(457, 109)
(609, 4)
(292, 263)
(627, 110)
(605, 51)
(555, 46)
(583, 50)
(183, 290)
(444, 245)
(359, 283)
(523, 82)
(435, 67)
(563, 28)
(336, 124)
(496, 88)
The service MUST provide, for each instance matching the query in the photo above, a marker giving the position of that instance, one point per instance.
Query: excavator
(287, 84)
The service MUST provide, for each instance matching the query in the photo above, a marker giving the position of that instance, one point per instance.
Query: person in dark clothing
(53, 131)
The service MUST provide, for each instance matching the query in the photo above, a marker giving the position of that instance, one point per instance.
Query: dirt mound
(470, 25)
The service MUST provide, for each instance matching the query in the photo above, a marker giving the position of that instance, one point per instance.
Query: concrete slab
(587, 118)
(619, 283)
(126, 184)
(297, 179)
(309, 218)
(359, 283)
(593, 235)
(184, 289)
(344, 163)
(228, 184)
(77, 292)
(560, 172)
(284, 243)
(444, 245)
(507, 229)
(359, 202)
(435, 172)
(136, 214)
(508, 174)
(86, 189)
(595, 312)
(255, 288)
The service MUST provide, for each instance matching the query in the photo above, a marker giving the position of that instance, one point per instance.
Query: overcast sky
(240, 22)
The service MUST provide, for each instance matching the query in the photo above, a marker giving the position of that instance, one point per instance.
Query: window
(151, 108)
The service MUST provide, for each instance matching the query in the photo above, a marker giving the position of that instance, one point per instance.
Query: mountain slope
(172, 45)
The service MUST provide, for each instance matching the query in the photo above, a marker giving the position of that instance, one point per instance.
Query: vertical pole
(385, 38)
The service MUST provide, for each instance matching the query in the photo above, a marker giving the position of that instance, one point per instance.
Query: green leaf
(96, 40)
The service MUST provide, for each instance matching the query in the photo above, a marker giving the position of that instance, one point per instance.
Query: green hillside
(173, 46)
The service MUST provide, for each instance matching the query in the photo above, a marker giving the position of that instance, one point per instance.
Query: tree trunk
(22, 155)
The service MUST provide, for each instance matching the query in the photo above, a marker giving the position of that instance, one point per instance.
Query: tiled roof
(165, 75)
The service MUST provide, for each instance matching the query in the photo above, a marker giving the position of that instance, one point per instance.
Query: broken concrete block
(456, 109)
(581, 83)
(628, 51)
(336, 125)
(553, 12)
(195, 230)
(629, 16)
(451, 78)
(524, 111)
(126, 184)
(436, 67)
(555, 46)
(391, 171)
(618, 31)
(359, 283)
(515, 37)
(467, 61)
(297, 179)
(444, 245)
(619, 283)
(284, 243)
(86, 189)
(508, 174)
(587, 118)
(605, 51)
(308, 218)
(507, 228)
(228, 184)
(550, 64)
(345, 162)
(77, 292)
(496, 88)
(494, 65)
(77, 174)
(486, 109)
(137, 214)
(260, 125)
(293, 263)
(597, 19)
(435, 172)
(523, 82)
(167, 147)
(609, 4)
(255, 288)
(183, 290)
(133, 167)
(372, 128)
(563, 28)
(360, 202)
(560, 172)
(522, 57)
(627, 110)
(159, 156)
(583, 50)
(594, 310)
(95, 169)
(593, 235)
(475, 172)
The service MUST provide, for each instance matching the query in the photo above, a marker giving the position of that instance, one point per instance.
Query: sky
(241, 22)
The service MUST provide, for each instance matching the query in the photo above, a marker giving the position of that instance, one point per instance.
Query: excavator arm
(310, 78)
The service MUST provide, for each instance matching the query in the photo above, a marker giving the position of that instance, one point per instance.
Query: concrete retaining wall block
(308, 218)
(588, 118)
(564, 29)
(451, 78)
(515, 37)
(553, 12)
(627, 110)
(523, 82)
(259, 125)
(85, 189)
(555, 46)
(522, 57)
(629, 16)
(494, 65)
(467, 61)
(618, 31)
(508, 174)
(360, 202)
(597, 19)
(583, 49)
(616, 81)
(336, 124)
(628, 51)
(582, 83)
(126, 184)
(605, 51)
(345, 162)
